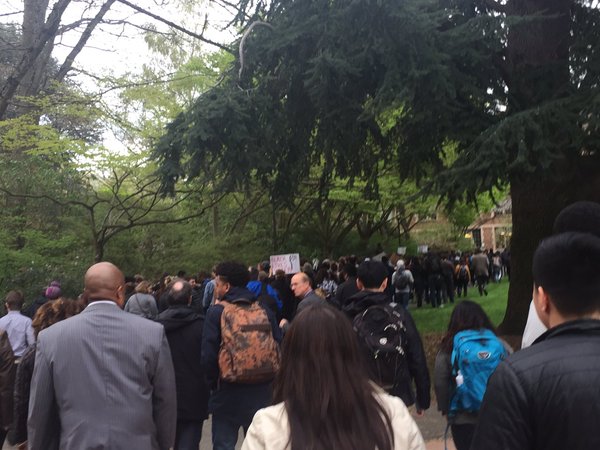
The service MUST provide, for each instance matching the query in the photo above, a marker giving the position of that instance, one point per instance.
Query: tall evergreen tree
(461, 95)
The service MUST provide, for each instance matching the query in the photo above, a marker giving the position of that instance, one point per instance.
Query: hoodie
(183, 328)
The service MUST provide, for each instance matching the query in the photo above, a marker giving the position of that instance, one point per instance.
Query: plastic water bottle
(459, 379)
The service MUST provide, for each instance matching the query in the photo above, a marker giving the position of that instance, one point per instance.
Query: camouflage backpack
(248, 353)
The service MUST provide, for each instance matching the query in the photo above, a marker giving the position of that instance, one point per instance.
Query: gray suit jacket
(103, 380)
(310, 299)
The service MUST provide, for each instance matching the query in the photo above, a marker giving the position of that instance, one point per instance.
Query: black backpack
(402, 279)
(382, 337)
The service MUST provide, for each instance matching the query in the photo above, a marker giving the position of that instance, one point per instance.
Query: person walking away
(463, 277)
(104, 378)
(48, 314)
(342, 409)
(240, 355)
(183, 327)
(469, 353)
(388, 338)
(546, 397)
(17, 326)
(479, 269)
(142, 303)
(403, 282)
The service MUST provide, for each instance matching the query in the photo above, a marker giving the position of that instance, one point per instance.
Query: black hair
(180, 296)
(253, 274)
(350, 270)
(234, 273)
(583, 217)
(567, 266)
(371, 274)
(466, 315)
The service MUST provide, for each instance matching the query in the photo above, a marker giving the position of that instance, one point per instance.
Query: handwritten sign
(289, 263)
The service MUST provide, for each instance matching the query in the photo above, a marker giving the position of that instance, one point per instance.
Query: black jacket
(238, 401)
(415, 355)
(183, 328)
(546, 396)
(346, 290)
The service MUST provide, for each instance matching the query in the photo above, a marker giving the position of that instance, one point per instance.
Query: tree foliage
(462, 96)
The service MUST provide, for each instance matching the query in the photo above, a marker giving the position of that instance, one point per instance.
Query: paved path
(432, 426)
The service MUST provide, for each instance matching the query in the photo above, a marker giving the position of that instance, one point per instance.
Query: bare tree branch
(66, 66)
(174, 25)
(243, 41)
(48, 32)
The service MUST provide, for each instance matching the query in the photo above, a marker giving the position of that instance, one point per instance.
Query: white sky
(118, 49)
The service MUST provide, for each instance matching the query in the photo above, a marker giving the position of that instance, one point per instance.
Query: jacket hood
(235, 293)
(364, 299)
(176, 317)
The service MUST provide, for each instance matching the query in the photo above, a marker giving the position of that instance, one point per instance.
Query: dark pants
(461, 286)
(188, 435)
(462, 435)
(481, 281)
(225, 431)
(435, 283)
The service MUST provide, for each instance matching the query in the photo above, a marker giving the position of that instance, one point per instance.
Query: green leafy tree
(511, 86)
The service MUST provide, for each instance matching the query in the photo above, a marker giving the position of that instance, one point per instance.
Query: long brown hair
(328, 397)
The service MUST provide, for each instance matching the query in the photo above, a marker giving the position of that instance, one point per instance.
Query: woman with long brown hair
(323, 397)
(467, 315)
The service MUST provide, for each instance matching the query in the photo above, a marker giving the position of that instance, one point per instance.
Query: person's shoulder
(394, 405)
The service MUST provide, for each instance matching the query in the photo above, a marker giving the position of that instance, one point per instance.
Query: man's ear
(542, 303)
(384, 284)
(359, 285)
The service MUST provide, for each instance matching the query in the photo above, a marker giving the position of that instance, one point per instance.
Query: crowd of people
(325, 358)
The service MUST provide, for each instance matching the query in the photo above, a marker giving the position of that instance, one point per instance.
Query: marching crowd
(325, 358)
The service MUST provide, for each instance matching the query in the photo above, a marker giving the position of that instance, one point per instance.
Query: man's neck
(558, 319)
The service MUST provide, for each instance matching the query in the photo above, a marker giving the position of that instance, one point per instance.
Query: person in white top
(323, 397)
(17, 326)
(582, 217)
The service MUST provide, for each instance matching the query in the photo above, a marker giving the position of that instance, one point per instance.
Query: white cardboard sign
(289, 263)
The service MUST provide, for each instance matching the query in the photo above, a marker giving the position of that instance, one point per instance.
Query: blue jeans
(403, 298)
(225, 432)
(188, 435)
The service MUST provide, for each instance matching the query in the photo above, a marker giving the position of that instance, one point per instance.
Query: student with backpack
(469, 353)
(240, 355)
(462, 276)
(403, 282)
(388, 338)
(323, 398)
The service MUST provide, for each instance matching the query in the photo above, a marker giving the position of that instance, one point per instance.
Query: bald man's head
(104, 281)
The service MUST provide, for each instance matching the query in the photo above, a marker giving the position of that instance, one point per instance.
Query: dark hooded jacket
(416, 362)
(545, 397)
(238, 401)
(183, 328)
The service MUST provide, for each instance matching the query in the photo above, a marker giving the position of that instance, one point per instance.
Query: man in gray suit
(103, 379)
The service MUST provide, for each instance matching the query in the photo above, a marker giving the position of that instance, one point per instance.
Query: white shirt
(19, 331)
(534, 327)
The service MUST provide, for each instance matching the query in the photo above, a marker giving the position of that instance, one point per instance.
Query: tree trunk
(537, 62)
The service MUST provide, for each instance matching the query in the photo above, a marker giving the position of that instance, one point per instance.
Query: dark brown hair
(55, 311)
(328, 397)
(467, 315)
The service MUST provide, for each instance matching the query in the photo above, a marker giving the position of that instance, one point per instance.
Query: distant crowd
(325, 358)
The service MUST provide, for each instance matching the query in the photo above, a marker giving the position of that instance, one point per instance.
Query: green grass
(431, 320)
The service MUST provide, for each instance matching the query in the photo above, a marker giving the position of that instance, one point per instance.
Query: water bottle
(459, 379)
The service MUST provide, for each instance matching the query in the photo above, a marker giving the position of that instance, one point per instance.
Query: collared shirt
(19, 330)
(108, 302)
